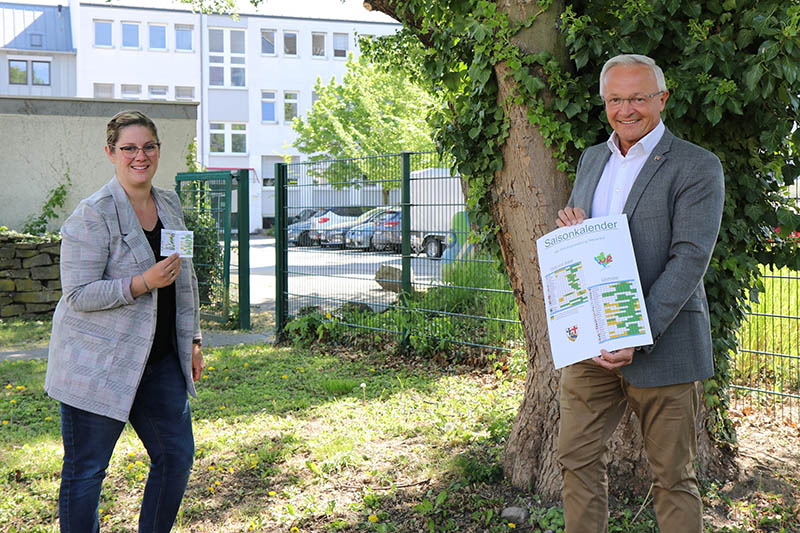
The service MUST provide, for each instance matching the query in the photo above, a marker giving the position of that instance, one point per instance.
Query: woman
(126, 335)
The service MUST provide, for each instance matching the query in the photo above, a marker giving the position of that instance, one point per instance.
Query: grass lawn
(289, 440)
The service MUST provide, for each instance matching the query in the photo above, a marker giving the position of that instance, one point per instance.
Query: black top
(165, 342)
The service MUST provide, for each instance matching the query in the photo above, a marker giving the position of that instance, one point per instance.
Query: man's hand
(198, 364)
(569, 216)
(615, 359)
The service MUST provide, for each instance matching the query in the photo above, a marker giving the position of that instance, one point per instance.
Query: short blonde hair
(124, 119)
(632, 59)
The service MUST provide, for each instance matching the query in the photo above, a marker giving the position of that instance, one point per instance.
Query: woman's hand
(198, 364)
(164, 272)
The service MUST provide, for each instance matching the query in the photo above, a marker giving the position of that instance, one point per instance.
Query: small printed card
(177, 241)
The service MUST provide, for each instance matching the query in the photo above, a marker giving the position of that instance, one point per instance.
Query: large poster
(592, 292)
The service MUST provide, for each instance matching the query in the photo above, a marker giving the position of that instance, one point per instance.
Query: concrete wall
(43, 139)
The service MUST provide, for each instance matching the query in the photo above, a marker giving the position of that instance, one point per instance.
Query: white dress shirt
(620, 172)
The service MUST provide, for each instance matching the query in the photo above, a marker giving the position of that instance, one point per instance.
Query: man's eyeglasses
(131, 150)
(635, 101)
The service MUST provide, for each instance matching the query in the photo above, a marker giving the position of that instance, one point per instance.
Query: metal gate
(208, 200)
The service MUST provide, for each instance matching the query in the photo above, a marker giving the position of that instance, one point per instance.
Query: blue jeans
(161, 418)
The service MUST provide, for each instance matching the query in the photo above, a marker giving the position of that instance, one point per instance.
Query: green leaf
(752, 76)
(581, 58)
(440, 498)
(706, 61)
(572, 109)
(714, 114)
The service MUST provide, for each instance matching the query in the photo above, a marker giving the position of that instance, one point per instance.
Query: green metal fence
(207, 199)
(460, 298)
(405, 268)
(766, 370)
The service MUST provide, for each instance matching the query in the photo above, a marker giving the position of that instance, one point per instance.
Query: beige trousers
(593, 401)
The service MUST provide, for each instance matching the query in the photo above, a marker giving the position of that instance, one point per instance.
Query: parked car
(298, 232)
(388, 231)
(334, 236)
(329, 218)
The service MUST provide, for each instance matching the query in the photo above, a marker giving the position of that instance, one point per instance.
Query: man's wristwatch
(198, 342)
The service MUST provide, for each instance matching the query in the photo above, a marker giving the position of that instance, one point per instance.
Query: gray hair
(633, 59)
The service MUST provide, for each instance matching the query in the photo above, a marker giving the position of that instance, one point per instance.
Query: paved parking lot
(319, 273)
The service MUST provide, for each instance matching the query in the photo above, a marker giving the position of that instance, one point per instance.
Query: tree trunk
(526, 195)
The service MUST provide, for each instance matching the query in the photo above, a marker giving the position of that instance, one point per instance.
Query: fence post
(243, 198)
(281, 249)
(405, 245)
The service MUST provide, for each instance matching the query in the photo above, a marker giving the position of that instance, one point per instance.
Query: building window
(157, 92)
(228, 138)
(268, 42)
(318, 44)
(17, 72)
(339, 45)
(268, 106)
(314, 98)
(130, 35)
(217, 137)
(239, 138)
(183, 38)
(132, 92)
(290, 105)
(231, 59)
(290, 43)
(36, 40)
(40, 72)
(158, 37)
(184, 93)
(238, 77)
(102, 33)
(104, 90)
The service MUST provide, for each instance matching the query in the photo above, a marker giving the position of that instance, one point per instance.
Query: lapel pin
(657, 158)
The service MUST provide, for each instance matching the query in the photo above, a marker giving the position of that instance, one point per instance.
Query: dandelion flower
(210, 368)
(222, 407)
(512, 525)
(12, 401)
(216, 483)
(48, 418)
(226, 378)
(272, 493)
(106, 517)
(100, 511)
(373, 518)
(5, 422)
(139, 463)
(9, 386)
(131, 454)
(20, 387)
(284, 376)
(211, 467)
(230, 470)
(294, 530)
(246, 365)
(141, 477)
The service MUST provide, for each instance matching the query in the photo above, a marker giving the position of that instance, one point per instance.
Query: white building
(251, 74)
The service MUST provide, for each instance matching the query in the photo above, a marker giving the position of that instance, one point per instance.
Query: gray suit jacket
(674, 211)
(101, 334)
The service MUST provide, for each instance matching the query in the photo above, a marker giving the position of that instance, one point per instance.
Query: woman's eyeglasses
(131, 150)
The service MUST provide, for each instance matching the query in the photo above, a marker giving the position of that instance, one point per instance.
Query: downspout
(203, 96)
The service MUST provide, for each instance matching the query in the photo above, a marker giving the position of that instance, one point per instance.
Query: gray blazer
(101, 334)
(674, 211)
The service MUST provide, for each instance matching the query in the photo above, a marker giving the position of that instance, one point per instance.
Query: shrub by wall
(30, 283)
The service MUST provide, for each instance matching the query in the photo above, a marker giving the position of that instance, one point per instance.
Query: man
(672, 192)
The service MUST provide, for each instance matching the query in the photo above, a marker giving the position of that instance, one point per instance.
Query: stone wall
(30, 281)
